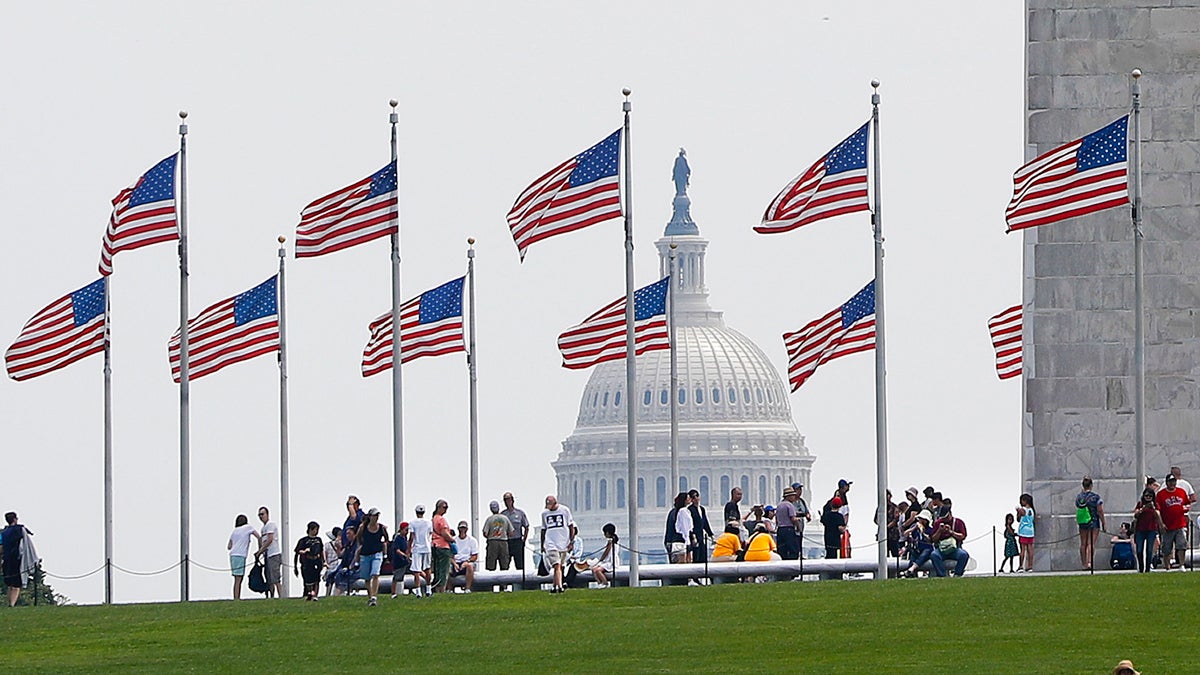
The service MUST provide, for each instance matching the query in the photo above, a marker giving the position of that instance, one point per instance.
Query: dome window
(770, 395)
(682, 396)
(647, 397)
(746, 394)
(732, 395)
(660, 492)
(595, 399)
(663, 397)
(605, 400)
(704, 490)
(716, 395)
(617, 400)
(699, 396)
(620, 493)
(587, 495)
(757, 394)
(603, 494)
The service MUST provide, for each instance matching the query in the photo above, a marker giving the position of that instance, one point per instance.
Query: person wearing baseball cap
(420, 532)
(835, 525)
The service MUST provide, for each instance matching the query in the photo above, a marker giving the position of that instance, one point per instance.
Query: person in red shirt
(1172, 503)
(1148, 523)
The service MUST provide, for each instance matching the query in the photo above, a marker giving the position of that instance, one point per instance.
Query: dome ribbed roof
(723, 376)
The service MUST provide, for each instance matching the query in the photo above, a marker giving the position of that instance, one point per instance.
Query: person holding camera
(1147, 522)
(948, 535)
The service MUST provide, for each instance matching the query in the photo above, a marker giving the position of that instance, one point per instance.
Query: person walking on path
(1089, 515)
(1025, 532)
(1172, 502)
(270, 544)
(558, 535)
(308, 558)
(239, 550)
(373, 539)
(1147, 523)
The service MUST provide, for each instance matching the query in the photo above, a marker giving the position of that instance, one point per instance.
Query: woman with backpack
(239, 550)
(1089, 515)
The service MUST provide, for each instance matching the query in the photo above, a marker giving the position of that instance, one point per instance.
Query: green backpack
(1083, 513)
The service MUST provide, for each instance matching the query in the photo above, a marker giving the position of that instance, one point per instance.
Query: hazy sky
(288, 101)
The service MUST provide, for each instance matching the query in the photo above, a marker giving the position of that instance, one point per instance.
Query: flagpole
(630, 358)
(1139, 339)
(881, 459)
(184, 439)
(397, 377)
(284, 492)
(108, 482)
(471, 364)
(674, 372)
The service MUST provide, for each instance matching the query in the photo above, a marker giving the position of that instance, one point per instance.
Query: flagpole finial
(1137, 72)
(470, 241)
(183, 128)
(874, 84)
(183, 114)
(393, 103)
(627, 91)
(282, 238)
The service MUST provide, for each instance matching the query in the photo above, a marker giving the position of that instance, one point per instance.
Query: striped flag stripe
(51, 339)
(216, 339)
(1084, 176)
(152, 222)
(417, 340)
(834, 185)
(1005, 329)
(829, 337)
(601, 336)
(360, 212)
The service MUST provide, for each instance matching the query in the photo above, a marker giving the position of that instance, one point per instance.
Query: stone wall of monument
(1078, 274)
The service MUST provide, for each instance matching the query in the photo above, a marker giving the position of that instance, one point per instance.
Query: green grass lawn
(1078, 624)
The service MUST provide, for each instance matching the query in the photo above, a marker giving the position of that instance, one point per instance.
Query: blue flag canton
(156, 185)
(850, 154)
(87, 303)
(598, 161)
(383, 181)
(651, 300)
(1103, 147)
(442, 302)
(862, 304)
(255, 303)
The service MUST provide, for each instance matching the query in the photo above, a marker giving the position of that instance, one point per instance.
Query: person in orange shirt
(761, 546)
(441, 538)
(728, 543)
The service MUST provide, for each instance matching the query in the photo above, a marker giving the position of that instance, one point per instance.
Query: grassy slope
(1060, 624)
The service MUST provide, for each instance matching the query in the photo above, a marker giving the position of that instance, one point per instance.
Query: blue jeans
(939, 564)
(922, 557)
(1143, 546)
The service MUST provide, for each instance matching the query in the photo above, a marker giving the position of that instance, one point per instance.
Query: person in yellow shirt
(761, 546)
(728, 544)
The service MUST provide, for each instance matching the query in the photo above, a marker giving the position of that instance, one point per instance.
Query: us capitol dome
(735, 423)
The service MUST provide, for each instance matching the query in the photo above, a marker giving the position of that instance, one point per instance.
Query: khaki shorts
(1174, 540)
(497, 553)
(555, 557)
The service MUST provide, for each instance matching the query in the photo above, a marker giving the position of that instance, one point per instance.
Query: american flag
(233, 330)
(836, 184)
(849, 329)
(582, 191)
(143, 214)
(601, 336)
(431, 324)
(1005, 328)
(69, 329)
(362, 211)
(1086, 175)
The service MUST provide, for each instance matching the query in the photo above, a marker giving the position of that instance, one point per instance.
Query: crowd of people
(921, 529)
(426, 549)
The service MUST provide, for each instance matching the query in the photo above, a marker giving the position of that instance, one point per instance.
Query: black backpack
(258, 576)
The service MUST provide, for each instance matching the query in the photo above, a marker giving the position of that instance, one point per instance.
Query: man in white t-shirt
(558, 531)
(270, 543)
(419, 533)
(466, 555)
